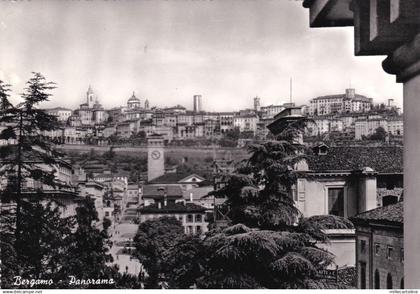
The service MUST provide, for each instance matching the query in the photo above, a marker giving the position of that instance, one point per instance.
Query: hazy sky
(169, 50)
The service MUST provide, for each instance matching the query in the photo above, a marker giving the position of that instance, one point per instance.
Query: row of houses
(356, 125)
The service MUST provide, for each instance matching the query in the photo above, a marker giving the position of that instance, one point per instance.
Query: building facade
(380, 248)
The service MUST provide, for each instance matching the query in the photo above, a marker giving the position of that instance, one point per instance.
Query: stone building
(62, 114)
(133, 102)
(91, 112)
(380, 248)
(341, 103)
(389, 28)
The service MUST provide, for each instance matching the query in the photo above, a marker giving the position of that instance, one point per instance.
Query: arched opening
(402, 283)
(389, 281)
(377, 280)
(388, 200)
(363, 275)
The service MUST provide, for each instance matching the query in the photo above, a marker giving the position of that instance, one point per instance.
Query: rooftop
(176, 178)
(172, 208)
(197, 193)
(356, 97)
(133, 98)
(150, 191)
(58, 108)
(390, 213)
(381, 159)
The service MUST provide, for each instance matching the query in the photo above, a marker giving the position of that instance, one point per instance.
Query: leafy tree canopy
(153, 241)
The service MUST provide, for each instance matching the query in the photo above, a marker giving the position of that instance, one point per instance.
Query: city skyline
(169, 51)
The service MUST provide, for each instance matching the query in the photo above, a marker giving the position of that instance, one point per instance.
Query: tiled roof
(197, 193)
(172, 208)
(58, 108)
(150, 191)
(173, 178)
(390, 213)
(380, 159)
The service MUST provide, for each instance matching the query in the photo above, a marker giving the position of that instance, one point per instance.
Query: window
(198, 230)
(336, 201)
(198, 218)
(402, 255)
(387, 200)
(106, 213)
(180, 218)
(377, 248)
(389, 252)
(189, 230)
(363, 246)
(190, 218)
(362, 275)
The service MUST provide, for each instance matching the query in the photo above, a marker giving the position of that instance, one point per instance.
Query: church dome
(98, 106)
(133, 99)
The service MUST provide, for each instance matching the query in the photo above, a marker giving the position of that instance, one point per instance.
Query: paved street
(123, 234)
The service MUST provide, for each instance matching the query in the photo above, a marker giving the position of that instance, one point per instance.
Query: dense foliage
(269, 243)
(37, 241)
(87, 249)
(153, 241)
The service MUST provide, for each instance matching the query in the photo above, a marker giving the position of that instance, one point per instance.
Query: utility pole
(291, 89)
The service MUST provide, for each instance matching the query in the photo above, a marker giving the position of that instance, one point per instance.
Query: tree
(184, 262)
(379, 135)
(88, 249)
(43, 240)
(269, 244)
(109, 155)
(153, 241)
(233, 134)
(138, 138)
(25, 158)
(9, 264)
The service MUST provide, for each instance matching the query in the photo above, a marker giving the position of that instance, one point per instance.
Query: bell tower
(155, 157)
(90, 97)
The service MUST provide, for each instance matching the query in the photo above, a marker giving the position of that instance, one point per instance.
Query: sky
(166, 51)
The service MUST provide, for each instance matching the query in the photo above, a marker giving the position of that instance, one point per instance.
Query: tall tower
(146, 104)
(155, 157)
(350, 93)
(197, 103)
(257, 104)
(90, 97)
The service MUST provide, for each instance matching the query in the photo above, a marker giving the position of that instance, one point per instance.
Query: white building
(342, 103)
(246, 123)
(62, 114)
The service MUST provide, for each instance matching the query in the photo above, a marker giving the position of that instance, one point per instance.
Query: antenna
(291, 89)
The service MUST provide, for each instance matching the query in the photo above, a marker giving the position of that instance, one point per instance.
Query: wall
(394, 266)
(343, 247)
(314, 201)
(384, 236)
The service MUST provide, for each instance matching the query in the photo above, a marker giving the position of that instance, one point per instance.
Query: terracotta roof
(150, 191)
(197, 193)
(173, 178)
(380, 159)
(172, 208)
(391, 213)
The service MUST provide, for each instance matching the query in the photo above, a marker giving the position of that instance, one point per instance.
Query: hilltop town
(348, 116)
